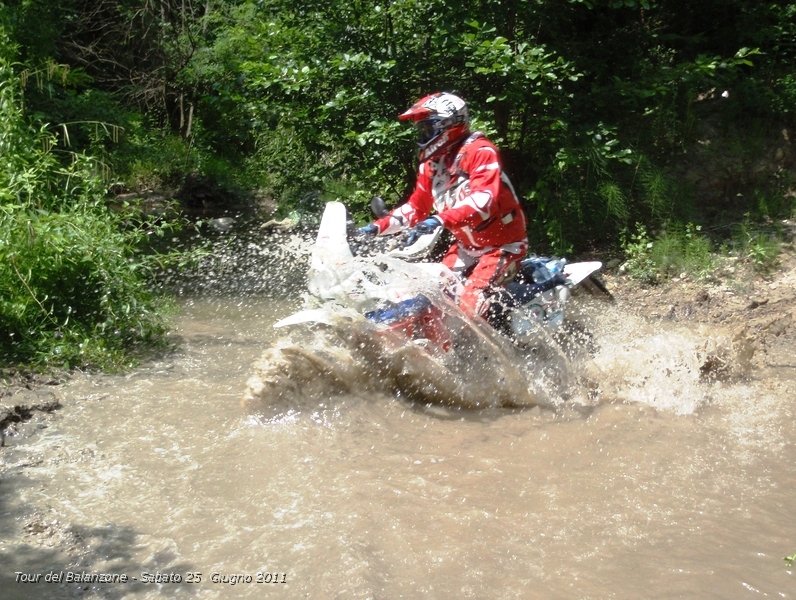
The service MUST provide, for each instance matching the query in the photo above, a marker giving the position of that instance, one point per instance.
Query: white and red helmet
(442, 120)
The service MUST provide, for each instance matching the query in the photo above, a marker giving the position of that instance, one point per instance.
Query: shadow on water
(449, 413)
(492, 414)
(44, 557)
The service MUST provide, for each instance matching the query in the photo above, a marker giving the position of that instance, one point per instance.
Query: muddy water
(648, 484)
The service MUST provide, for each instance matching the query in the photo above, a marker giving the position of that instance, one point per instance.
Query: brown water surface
(657, 486)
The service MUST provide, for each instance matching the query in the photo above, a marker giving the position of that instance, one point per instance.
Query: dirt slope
(756, 312)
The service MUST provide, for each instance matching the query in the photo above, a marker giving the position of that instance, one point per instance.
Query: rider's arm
(414, 210)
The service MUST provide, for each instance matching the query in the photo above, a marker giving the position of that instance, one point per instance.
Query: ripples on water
(633, 477)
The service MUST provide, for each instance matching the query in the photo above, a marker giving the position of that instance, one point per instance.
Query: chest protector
(448, 184)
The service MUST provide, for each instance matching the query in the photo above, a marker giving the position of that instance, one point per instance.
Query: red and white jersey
(471, 195)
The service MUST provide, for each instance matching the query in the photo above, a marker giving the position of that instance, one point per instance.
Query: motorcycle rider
(461, 178)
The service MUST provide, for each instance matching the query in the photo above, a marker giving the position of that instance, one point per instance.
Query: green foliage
(679, 249)
(599, 106)
(757, 245)
(683, 249)
(656, 191)
(637, 247)
(75, 289)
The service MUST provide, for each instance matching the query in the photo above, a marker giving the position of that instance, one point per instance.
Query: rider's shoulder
(478, 150)
(477, 142)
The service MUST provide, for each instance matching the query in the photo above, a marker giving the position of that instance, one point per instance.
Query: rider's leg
(489, 272)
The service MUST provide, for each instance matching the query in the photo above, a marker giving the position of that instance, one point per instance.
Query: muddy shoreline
(755, 312)
(25, 395)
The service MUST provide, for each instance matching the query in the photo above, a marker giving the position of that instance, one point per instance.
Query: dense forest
(660, 130)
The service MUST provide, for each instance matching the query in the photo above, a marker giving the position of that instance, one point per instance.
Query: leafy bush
(683, 249)
(757, 246)
(678, 249)
(74, 291)
(75, 287)
(637, 247)
(608, 113)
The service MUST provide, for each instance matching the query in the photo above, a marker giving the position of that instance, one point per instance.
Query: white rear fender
(577, 272)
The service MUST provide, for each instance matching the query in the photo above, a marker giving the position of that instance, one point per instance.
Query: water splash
(347, 354)
(672, 368)
(602, 356)
(250, 259)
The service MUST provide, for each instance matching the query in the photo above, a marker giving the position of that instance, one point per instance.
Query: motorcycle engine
(533, 309)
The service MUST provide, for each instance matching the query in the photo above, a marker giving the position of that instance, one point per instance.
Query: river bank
(755, 312)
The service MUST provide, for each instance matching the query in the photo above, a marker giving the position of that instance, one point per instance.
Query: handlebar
(394, 245)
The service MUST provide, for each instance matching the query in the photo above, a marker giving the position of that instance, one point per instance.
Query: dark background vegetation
(627, 125)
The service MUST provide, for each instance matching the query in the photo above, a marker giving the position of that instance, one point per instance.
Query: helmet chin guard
(442, 120)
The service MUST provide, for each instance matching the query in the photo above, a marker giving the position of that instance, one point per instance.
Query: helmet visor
(427, 130)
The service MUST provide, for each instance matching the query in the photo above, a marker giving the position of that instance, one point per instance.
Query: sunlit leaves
(74, 287)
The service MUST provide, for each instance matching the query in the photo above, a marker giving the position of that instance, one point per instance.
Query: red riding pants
(481, 273)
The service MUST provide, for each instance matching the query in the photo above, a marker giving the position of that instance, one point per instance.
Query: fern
(615, 201)
(657, 193)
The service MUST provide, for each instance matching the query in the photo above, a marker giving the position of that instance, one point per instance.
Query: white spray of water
(332, 342)
(673, 368)
(335, 350)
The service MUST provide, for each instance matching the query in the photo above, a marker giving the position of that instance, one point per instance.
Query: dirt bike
(394, 286)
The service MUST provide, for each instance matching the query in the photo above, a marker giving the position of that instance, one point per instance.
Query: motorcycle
(396, 289)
